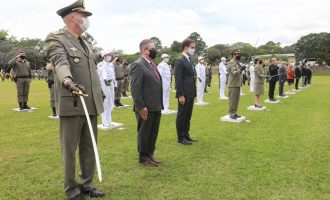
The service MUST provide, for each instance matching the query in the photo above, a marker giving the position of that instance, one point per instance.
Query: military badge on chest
(76, 60)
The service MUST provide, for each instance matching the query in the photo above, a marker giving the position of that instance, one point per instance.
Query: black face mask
(22, 57)
(152, 53)
(238, 57)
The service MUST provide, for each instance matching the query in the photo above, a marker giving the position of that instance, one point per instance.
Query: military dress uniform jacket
(21, 68)
(259, 74)
(235, 74)
(70, 59)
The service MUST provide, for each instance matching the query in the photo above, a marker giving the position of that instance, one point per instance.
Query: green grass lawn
(283, 153)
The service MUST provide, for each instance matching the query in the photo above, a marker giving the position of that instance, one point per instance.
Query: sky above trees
(123, 24)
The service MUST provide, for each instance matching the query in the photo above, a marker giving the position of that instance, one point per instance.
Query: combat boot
(25, 106)
(20, 106)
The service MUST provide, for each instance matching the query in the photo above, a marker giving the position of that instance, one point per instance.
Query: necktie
(82, 44)
(193, 68)
(154, 69)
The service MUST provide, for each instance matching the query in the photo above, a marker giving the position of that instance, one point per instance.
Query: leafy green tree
(176, 46)
(247, 50)
(314, 45)
(157, 42)
(270, 48)
(200, 44)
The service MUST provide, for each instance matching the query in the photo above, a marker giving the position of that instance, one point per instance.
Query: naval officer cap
(78, 6)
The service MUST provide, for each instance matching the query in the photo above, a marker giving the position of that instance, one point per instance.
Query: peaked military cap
(78, 6)
(236, 51)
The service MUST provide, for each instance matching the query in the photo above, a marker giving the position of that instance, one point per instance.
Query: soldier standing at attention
(51, 86)
(234, 83)
(126, 79)
(22, 69)
(223, 77)
(273, 72)
(165, 72)
(120, 75)
(201, 77)
(75, 71)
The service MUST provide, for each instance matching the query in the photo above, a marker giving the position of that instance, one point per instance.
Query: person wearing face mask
(75, 72)
(201, 77)
(165, 72)
(259, 81)
(223, 77)
(185, 91)
(22, 69)
(146, 89)
(234, 83)
(108, 83)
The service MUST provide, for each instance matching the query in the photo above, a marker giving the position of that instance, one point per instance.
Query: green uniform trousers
(233, 95)
(74, 133)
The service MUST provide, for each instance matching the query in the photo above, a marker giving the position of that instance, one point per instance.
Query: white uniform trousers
(252, 84)
(108, 104)
(166, 94)
(223, 80)
(200, 91)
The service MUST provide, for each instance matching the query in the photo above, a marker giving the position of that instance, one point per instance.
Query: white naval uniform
(223, 78)
(106, 72)
(252, 78)
(200, 71)
(165, 72)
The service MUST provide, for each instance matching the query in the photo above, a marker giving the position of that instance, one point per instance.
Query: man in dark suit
(273, 72)
(146, 88)
(185, 91)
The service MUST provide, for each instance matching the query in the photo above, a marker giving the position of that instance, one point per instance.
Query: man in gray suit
(234, 83)
(75, 71)
(146, 89)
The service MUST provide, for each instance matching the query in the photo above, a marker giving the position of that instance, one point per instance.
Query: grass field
(283, 153)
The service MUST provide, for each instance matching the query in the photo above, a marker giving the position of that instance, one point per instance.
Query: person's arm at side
(136, 90)
(178, 67)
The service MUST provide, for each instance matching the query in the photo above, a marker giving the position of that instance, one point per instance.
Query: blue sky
(122, 24)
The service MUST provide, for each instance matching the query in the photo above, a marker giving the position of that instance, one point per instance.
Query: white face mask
(166, 60)
(191, 51)
(107, 58)
(84, 25)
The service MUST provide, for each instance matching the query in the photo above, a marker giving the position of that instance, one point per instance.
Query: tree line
(313, 45)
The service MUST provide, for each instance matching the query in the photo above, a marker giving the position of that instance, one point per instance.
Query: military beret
(78, 6)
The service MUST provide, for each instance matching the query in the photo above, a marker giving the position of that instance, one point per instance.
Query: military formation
(81, 89)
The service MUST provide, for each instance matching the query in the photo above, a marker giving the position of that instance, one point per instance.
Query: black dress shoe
(192, 139)
(184, 142)
(93, 192)
(156, 161)
(233, 117)
(149, 163)
(78, 197)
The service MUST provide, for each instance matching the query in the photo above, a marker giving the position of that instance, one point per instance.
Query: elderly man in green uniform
(234, 83)
(22, 69)
(75, 71)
